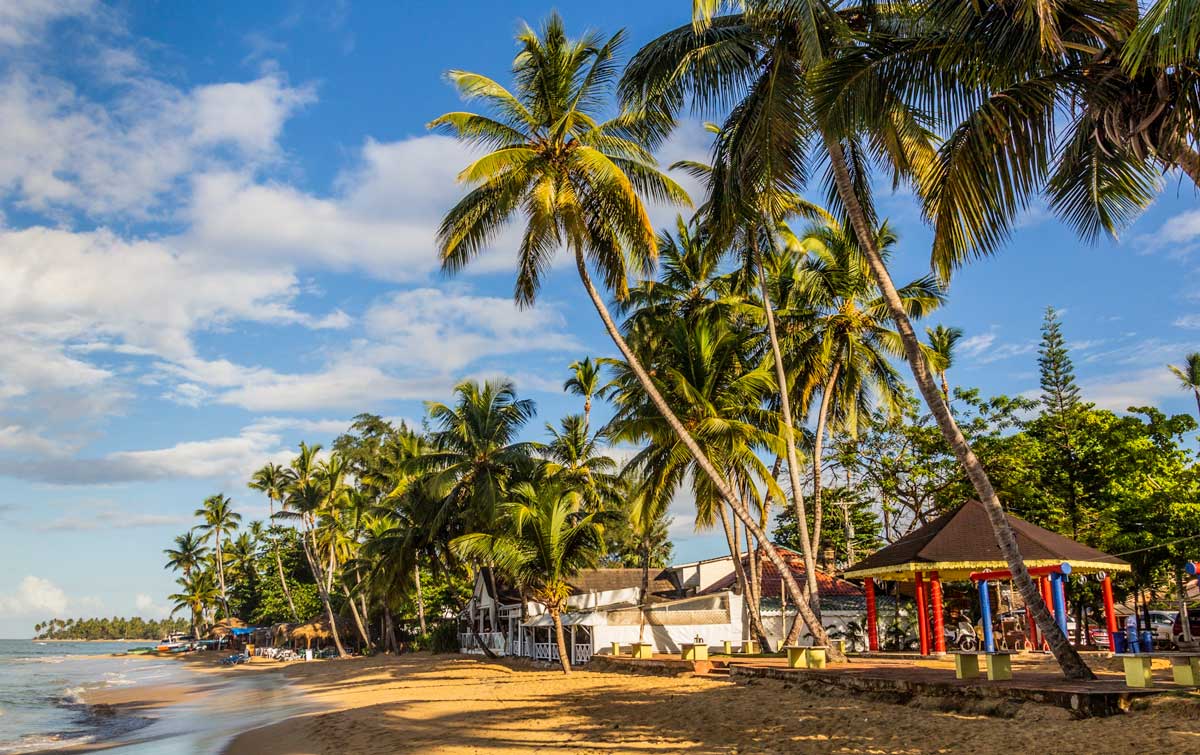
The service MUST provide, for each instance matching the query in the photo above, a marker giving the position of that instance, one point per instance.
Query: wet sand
(453, 705)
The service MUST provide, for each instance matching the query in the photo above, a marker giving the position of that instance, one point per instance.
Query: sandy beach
(450, 704)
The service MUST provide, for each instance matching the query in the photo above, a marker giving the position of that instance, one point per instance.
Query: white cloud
(1119, 391)
(382, 218)
(1191, 322)
(249, 115)
(1179, 235)
(973, 346)
(23, 21)
(110, 519)
(147, 608)
(34, 596)
(64, 150)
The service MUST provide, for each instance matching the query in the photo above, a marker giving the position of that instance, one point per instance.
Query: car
(1163, 624)
(1193, 620)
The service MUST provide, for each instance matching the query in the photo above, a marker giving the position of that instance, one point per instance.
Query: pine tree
(1060, 394)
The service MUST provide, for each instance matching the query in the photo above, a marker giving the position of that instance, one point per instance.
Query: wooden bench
(814, 656)
(643, 650)
(999, 664)
(1185, 668)
(695, 651)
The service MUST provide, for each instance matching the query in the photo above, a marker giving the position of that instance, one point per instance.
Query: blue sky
(216, 241)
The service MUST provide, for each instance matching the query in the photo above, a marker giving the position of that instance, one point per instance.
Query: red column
(935, 595)
(1110, 613)
(872, 617)
(922, 614)
(1047, 598)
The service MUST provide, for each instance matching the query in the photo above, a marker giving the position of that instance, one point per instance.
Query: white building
(685, 602)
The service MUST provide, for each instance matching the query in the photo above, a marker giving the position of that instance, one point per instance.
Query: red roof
(770, 584)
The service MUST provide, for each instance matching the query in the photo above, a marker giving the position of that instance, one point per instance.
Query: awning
(568, 619)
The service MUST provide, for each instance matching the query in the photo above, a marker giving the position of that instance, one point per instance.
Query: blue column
(1060, 601)
(985, 618)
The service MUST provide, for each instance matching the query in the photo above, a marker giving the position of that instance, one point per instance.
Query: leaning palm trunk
(563, 657)
(322, 589)
(283, 583)
(221, 575)
(735, 503)
(818, 451)
(358, 619)
(793, 461)
(389, 629)
(743, 582)
(1072, 665)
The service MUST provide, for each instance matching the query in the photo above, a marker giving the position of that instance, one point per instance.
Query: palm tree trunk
(739, 508)
(389, 630)
(1187, 159)
(1197, 392)
(789, 433)
(754, 591)
(1070, 661)
(221, 574)
(645, 588)
(420, 599)
(358, 621)
(945, 386)
(563, 657)
(731, 537)
(315, 564)
(818, 451)
(283, 583)
(287, 591)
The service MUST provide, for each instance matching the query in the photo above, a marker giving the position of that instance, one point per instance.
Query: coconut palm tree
(578, 180)
(807, 72)
(188, 553)
(573, 459)
(273, 480)
(546, 543)
(219, 521)
(712, 371)
(942, 341)
(474, 448)
(851, 336)
(1189, 376)
(587, 380)
(198, 592)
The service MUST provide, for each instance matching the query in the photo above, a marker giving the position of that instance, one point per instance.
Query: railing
(583, 653)
(544, 651)
(495, 641)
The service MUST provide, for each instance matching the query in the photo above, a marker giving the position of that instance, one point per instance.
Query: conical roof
(961, 542)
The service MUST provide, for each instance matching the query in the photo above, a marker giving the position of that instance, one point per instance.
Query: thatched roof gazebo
(317, 629)
(960, 546)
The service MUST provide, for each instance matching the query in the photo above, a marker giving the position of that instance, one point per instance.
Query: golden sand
(453, 704)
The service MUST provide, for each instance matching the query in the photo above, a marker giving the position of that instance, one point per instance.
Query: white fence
(544, 651)
(494, 641)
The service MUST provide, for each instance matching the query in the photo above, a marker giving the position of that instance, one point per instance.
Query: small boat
(175, 643)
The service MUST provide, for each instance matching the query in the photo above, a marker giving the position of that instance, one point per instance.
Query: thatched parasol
(222, 628)
(317, 629)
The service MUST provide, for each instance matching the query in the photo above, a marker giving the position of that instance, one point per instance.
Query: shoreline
(455, 704)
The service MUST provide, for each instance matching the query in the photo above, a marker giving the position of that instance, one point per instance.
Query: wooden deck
(1035, 680)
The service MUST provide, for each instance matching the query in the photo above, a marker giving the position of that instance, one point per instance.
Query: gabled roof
(961, 541)
(770, 585)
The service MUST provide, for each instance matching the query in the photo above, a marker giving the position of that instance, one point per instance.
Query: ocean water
(42, 686)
